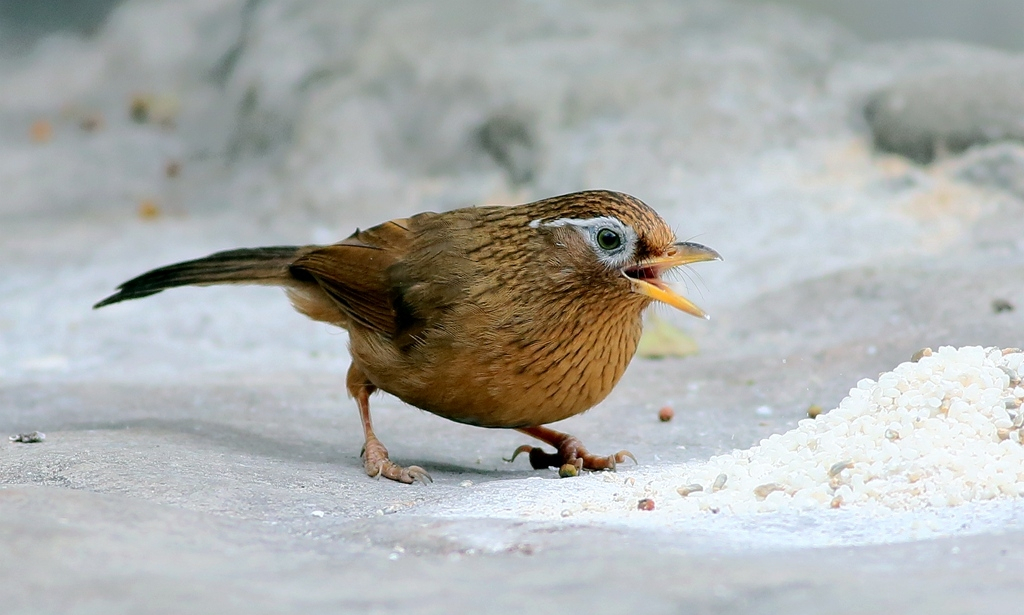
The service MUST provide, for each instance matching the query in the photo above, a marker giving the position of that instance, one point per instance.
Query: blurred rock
(609, 95)
(1000, 167)
(508, 140)
(947, 112)
(22, 24)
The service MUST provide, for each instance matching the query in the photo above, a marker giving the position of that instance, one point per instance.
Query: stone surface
(116, 555)
(200, 452)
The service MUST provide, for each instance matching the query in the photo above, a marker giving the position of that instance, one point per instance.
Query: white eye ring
(617, 257)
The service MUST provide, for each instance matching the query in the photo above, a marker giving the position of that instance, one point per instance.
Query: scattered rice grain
(839, 467)
(688, 489)
(763, 491)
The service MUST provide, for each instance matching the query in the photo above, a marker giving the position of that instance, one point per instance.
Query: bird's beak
(646, 277)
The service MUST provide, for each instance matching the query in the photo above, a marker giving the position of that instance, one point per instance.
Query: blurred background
(992, 23)
(817, 144)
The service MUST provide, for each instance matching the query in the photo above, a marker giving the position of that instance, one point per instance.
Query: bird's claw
(377, 464)
(572, 452)
(621, 456)
(391, 470)
(526, 448)
(540, 459)
(418, 474)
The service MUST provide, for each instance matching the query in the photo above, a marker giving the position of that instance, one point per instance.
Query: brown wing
(403, 276)
(354, 273)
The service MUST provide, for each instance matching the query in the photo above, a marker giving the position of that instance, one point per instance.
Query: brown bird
(497, 316)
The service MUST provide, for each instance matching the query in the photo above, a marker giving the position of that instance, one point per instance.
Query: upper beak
(646, 277)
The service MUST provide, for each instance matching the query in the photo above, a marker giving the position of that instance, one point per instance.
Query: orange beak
(646, 277)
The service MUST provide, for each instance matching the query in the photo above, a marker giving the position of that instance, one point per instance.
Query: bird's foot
(377, 464)
(570, 452)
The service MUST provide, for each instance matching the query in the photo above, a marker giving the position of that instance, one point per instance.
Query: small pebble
(836, 502)
(665, 414)
(719, 483)
(1001, 305)
(645, 504)
(814, 410)
(139, 108)
(568, 470)
(29, 438)
(91, 122)
(41, 131)
(149, 210)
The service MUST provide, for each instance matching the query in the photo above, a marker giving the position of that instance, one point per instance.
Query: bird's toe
(416, 474)
(539, 458)
(571, 452)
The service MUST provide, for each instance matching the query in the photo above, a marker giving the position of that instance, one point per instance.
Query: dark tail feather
(245, 266)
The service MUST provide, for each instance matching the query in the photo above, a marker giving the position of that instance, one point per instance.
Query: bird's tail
(268, 266)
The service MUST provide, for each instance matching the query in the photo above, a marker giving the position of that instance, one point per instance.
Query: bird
(498, 316)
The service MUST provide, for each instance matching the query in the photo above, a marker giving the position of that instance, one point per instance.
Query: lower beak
(648, 281)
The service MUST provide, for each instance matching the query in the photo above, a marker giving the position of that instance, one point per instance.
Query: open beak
(646, 276)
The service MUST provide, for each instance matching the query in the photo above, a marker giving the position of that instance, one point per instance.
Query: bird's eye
(608, 239)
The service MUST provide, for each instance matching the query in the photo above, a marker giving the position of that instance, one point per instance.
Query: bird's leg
(569, 451)
(375, 456)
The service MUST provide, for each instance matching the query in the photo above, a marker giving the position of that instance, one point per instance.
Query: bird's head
(614, 244)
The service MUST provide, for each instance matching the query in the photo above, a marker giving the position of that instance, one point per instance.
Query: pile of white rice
(936, 432)
(932, 448)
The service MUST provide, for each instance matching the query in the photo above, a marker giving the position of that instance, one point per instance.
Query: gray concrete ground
(200, 454)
